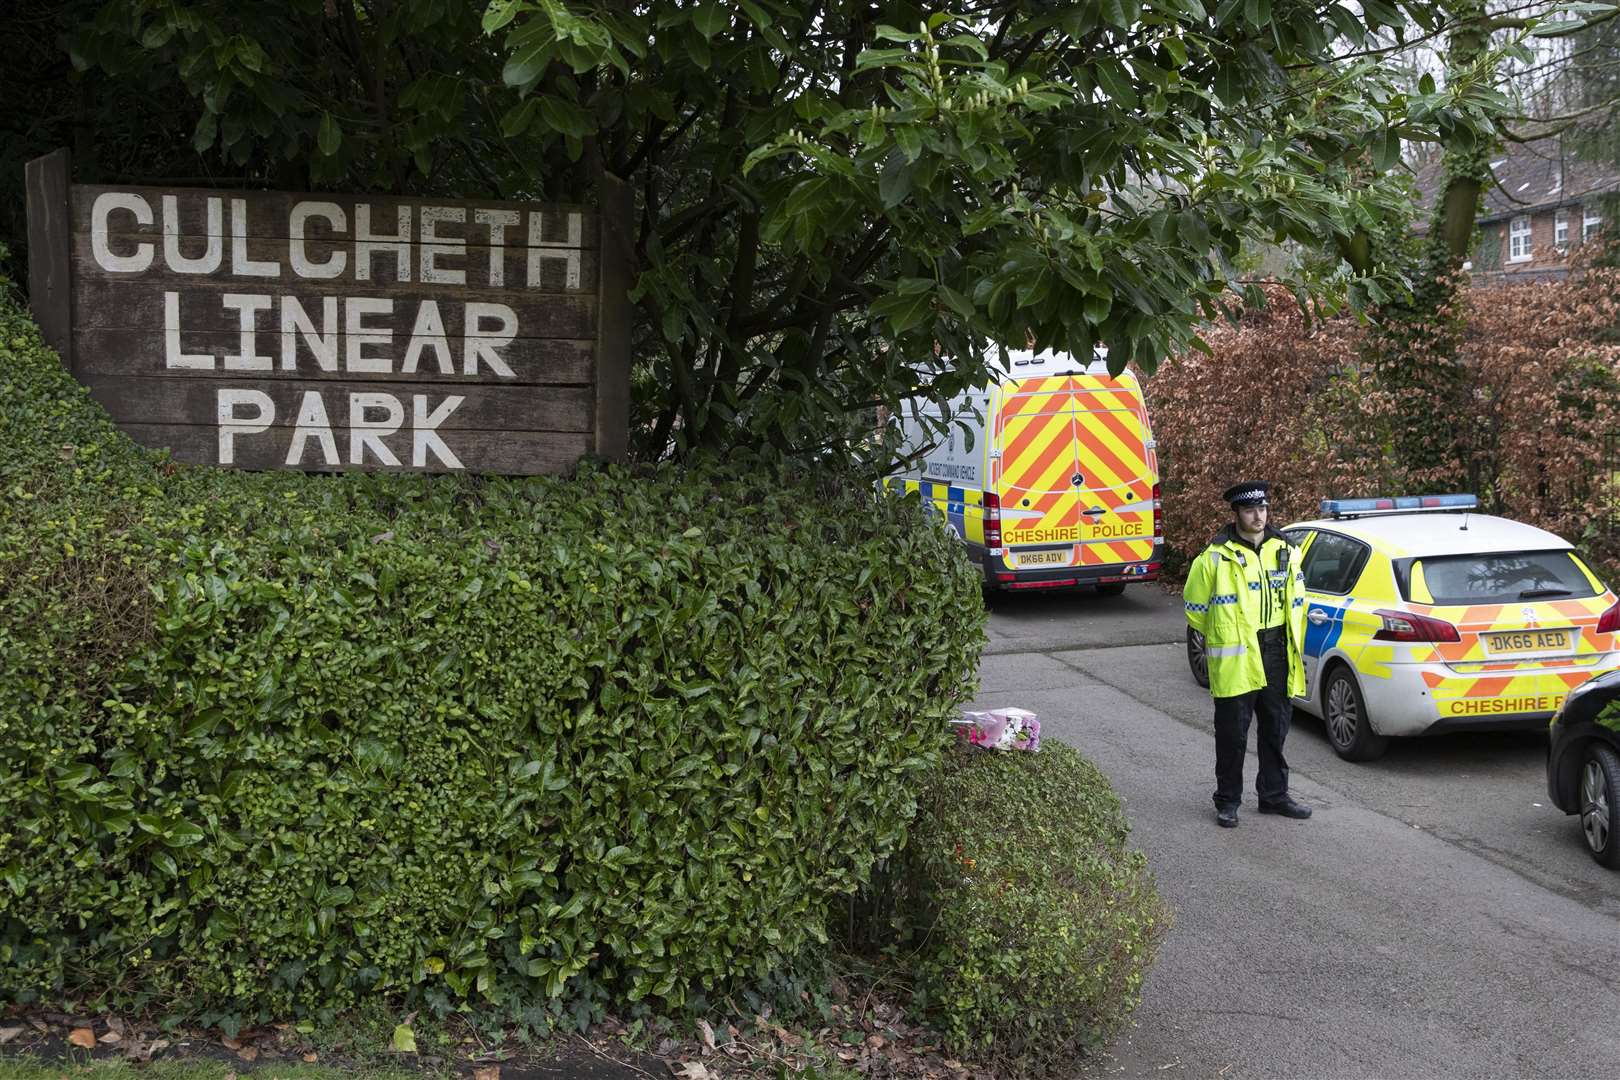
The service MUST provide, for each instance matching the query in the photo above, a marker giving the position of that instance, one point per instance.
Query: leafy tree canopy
(840, 203)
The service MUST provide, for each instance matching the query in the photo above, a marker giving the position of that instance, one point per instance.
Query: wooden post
(50, 290)
(616, 217)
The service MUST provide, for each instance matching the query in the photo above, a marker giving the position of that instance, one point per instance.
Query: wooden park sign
(266, 330)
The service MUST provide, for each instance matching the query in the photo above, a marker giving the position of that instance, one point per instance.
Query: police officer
(1246, 595)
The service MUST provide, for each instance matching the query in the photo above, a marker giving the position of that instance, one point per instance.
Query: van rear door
(1117, 470)
(1036, 473)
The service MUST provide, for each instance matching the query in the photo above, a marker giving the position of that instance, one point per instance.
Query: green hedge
(272, 742)
(1034, 925)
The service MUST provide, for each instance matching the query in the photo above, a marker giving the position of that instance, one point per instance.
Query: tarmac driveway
(1436, 918)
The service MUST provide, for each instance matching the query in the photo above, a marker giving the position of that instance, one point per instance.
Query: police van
(1049, 475)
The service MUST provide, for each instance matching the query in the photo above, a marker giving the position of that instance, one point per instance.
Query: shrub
(1294, 402)
(1033, 926)
(271, 742)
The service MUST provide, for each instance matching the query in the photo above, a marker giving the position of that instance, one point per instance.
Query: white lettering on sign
(232, 424)
(435, 247)
(213, 242)
(234, 240)
(477, 342)
(366, 243)
(212, 245)
(355, 309)
(296, 254)
(312, 424)
(423, 435)
(100, 211)
(247, 356)
(174, 356)
(497, 221)
(367, 430)
(373, 417)
(428, 333)
(241, 265)
(296, 325)
(566, 250)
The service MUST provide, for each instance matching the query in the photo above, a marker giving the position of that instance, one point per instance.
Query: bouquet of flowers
(1000, 729)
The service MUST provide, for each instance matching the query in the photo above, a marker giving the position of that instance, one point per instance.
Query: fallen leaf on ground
(248, 1054)
(83, 1037)
(488, 1072)
(39, 1025)
(404, 1039)
(111, 1037)
(707, 1034)
(875, 1041)
(229, 1043)
(311, 1058)
(692, 1070)
(7, 1034)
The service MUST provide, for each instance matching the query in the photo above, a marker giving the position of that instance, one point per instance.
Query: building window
(1519, 239)
(1561, 230)
(1591, 222)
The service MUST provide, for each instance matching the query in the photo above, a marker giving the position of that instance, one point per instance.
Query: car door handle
(1318, 616)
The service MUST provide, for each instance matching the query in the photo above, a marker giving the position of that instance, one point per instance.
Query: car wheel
(1112, 588)
(1197, 658)
(1344, 713)
(1600, 804)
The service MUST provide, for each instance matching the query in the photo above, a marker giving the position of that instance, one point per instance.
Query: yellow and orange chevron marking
(1483, 618)
(1482, 686)
(1049, 428)
(1529, 692)
(1036, 435)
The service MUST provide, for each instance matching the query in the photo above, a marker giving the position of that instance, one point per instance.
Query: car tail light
(1405, 626)
(1609, 621)
(992, 520)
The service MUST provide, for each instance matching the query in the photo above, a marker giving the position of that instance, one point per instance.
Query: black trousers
(1232, 716)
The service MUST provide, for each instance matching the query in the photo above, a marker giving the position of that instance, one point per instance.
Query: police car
(1424, 616)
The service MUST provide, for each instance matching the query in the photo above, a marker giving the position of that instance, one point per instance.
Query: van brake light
(1158, 513)
(992, 520)
(1405, 626)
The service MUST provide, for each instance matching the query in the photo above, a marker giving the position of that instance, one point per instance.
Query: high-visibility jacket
(1232, 593)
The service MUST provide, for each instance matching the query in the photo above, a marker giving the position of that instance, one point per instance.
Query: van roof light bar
(1398, 504)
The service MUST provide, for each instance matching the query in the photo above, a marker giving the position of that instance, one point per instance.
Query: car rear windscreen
(1504, 577)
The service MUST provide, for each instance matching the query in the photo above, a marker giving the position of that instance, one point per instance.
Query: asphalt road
(1435, 918)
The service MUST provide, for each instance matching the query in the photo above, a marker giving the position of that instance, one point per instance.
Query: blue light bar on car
(1340, 508)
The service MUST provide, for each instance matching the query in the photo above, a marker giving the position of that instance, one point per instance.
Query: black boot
(1287, 807)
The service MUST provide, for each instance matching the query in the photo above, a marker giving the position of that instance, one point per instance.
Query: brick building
(1543, 204)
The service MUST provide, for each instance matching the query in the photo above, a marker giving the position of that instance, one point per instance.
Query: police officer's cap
(1248, 493)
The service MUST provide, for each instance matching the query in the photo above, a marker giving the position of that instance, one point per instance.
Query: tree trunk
(1414, 350)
